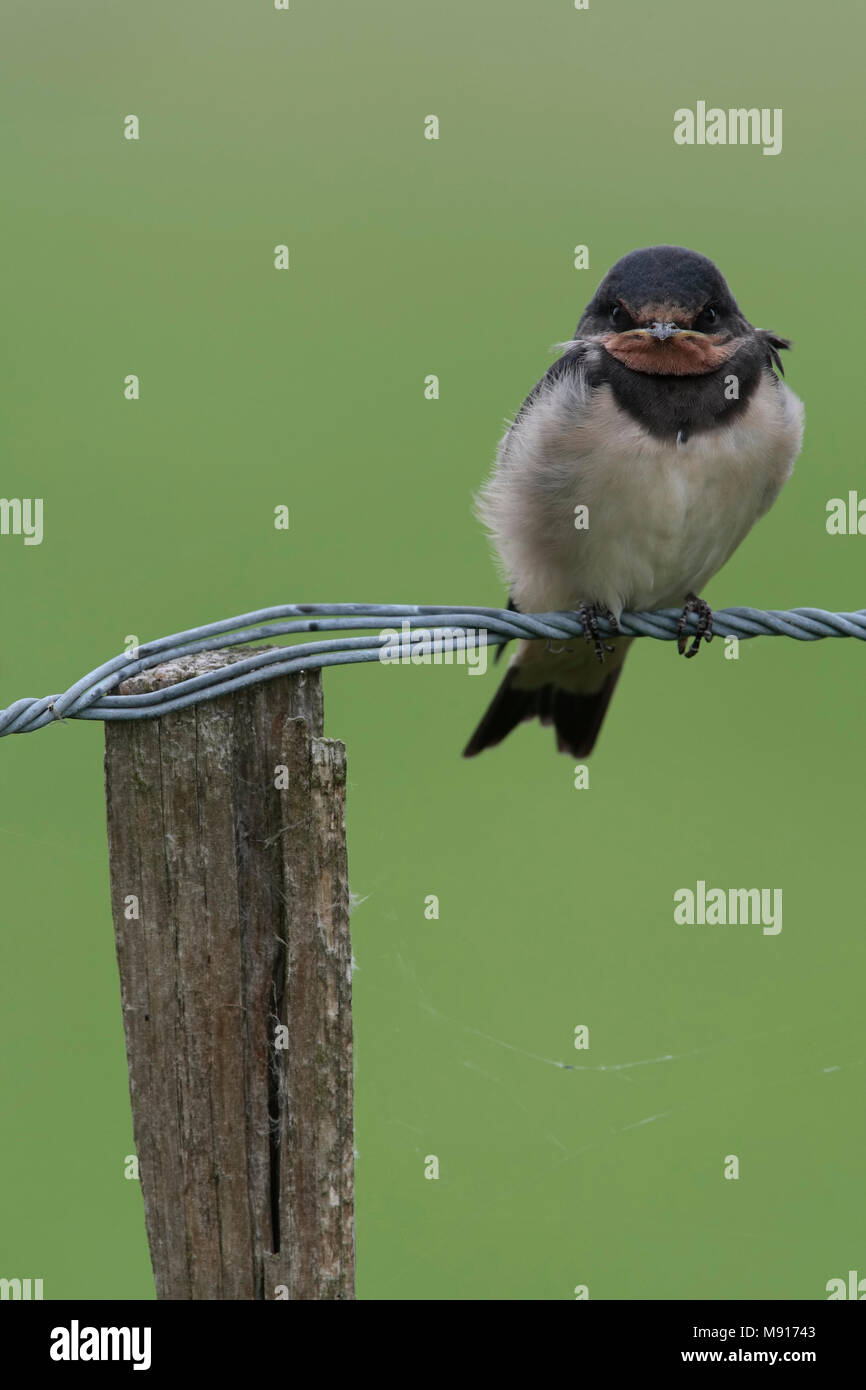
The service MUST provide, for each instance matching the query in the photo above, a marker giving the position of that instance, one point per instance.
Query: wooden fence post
(229, 893)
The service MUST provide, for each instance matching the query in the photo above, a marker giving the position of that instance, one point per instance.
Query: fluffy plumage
(674, 468)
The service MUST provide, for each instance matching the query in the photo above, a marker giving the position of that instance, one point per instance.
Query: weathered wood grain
(226, 827)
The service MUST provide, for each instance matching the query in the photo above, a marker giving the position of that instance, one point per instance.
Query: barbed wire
(90, 697)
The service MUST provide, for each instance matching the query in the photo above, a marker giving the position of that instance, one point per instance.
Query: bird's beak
(662, 331)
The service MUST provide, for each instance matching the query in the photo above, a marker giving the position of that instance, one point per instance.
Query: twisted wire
(91, 697)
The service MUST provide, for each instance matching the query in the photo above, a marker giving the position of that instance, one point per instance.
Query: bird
(629, 476)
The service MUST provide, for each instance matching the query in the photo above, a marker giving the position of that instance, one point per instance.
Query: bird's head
(667, 311)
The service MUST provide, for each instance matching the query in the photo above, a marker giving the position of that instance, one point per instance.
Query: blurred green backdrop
(454, 257)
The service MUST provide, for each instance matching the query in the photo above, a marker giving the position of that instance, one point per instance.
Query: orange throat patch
(688, 354)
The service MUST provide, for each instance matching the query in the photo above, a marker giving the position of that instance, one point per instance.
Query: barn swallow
(665, 427)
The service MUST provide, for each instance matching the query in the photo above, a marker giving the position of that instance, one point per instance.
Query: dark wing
(773, 343)
(512, 608)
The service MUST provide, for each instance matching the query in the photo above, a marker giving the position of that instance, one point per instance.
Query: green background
(411, 257)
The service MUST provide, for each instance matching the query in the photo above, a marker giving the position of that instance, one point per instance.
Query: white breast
(663, 517)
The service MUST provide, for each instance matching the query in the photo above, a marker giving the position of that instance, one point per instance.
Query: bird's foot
(704, 615)
(589, 614)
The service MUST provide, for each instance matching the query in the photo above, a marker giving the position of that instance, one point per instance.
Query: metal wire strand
(91, 698)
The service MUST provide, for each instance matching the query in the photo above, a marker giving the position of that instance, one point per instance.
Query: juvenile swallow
(664, 418)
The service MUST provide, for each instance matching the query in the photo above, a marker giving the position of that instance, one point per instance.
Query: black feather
(512, 608)
(577, 718)
(774, 342)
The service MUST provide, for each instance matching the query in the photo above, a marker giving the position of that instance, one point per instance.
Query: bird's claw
(589, 614)
(704, 626)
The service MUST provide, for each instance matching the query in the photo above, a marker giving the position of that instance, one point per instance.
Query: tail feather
(577, 717)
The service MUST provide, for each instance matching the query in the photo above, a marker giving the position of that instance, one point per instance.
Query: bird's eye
(707, 317)
(618, 316)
